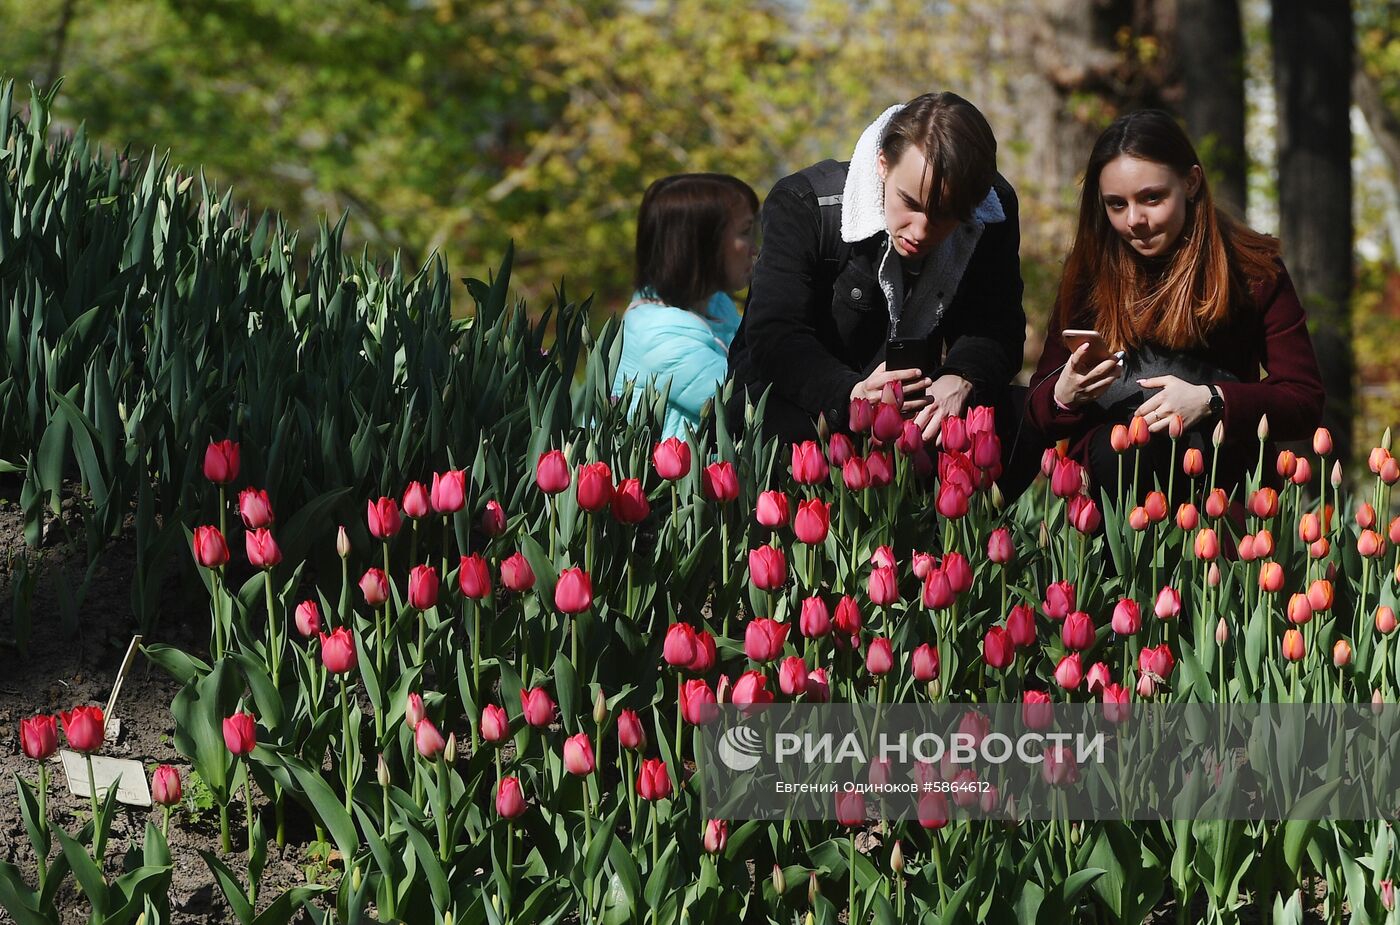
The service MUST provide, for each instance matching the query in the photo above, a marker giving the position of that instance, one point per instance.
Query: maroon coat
(1270, 331)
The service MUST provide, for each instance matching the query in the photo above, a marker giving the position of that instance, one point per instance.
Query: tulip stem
(851, 887)
(43, 818)
(248, 803)
(679, 695)
(164, 833)
(225, 841)
(272, 652)
(345, 768)
(440, 811)
(97, 833)
(475, 609)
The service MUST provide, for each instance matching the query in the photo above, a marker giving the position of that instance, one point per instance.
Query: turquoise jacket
(662, 343)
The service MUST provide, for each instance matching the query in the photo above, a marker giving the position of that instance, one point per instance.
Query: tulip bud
(381, 773)
(1222, 632)
(342, 542)
(1118, 438)
(1263, 430)
(1377, 702)
(897, 858)
(1187, 516)
(1385, 620)
(449, 751)
(1293, 648)
(716, 836)
(600, 708)
(1287, 464)
(1387, 886)
(1390, 471)
(1299, 610)
(813, 889)
(1337, 474)
(779, 880)
(1213, 575)
(165, 786)
(1175, 425)
(1217, 436)
(1341, 653)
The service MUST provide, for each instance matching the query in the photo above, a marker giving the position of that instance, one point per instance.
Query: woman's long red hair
(1213, 265)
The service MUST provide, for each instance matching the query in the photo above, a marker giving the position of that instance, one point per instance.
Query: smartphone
(1098, 347)
(907, 353)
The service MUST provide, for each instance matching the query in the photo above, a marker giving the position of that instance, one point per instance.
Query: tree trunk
(1313, 48)
(1210, 48)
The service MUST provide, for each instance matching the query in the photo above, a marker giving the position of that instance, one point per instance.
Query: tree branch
(1384, 124)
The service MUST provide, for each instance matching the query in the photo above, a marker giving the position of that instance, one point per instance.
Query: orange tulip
(1293, 648)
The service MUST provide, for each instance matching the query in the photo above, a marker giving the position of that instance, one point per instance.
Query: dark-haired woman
(1198, 303)
(916, 240)
(695, 245)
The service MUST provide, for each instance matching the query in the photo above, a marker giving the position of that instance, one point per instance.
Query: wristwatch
(1217, 404)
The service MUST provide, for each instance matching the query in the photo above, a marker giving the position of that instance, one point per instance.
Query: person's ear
(1193, 182)
(882, 166)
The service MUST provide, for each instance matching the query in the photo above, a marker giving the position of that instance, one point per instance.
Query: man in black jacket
(915, 240)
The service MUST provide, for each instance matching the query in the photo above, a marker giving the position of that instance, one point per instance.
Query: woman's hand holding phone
(1082, 380)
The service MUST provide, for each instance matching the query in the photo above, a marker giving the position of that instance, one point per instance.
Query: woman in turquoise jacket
(695, 245)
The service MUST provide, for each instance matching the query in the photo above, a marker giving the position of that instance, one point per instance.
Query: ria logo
(740, 748)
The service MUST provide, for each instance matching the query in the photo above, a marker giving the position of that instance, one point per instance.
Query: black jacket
(814, 327)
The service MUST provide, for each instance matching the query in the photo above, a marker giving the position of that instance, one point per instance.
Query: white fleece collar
(863, 199)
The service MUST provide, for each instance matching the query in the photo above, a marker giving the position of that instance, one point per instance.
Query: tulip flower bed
(458, 640)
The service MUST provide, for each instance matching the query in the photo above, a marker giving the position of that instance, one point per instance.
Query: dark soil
(59, 672)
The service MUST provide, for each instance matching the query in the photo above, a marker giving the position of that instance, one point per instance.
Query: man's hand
(872, 387)
(946, 397)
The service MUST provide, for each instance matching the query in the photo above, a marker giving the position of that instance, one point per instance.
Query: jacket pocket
(859, 313)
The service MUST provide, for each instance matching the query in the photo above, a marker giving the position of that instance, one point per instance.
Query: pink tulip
(422, 587)
(1127, 617)
(552, 472)
(516, 573)
(1020, 625)
(165, 786)
(383, 518)
(1068, 479)
(704, 653)
(338, 651)
(573, 593)
(263, 551)
(1168, 604)
(493, 519)
(861, 415)
(697, 702)
(537, 706)
(1098, 677)
(764, 639)
(815, 621)
(855, 474)
(767, 568)
(997, 648)
(938, 590)
(818, 687)
(578, 755)
(221, 462)
(959, 572)
(1158, 660)
(210, 550)
(1116, 700)
(629, 502)
(1077, 632)
(925, 663)
(240, 733)
(495, 724)
(308, 619)
(653, 783)
(449, 491)
(850, 808)
(772, 509)
(716, 836)
(1000, 548)
(751, 690)
(413, 710)
(888, 423)
(1084, 514)
(719, 483)
(951, 501)
(595, 487)
(1069, 672)
(38, 736)
(792, 676)
(630, 734)
(879, 468)
(473, 577)
(879, 658)
(671, 457)
(840, 449)
(1059, 600)
(415, 500)
(374, 585)
(882, 586)
(1036, 712)
(255, 508)
(933, 809)
(848, 618)
(428, 740)
(679, 647)
(812, 522)
(510, 799)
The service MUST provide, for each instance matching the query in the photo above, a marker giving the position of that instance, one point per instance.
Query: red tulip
(1077, 632)
(1187, 517)
(1116, 699)
(815, 621)
(938, 590)
(422, 587)
(925, 663)
(861, 414)
(888, 423)
(1193, 463)
(262, 549)
(495, 724)
(308, 619)
(1156, 506)
(1084, 514)
(1264, 502)
(704, 653)
(552, 472)
(493, 519)
(986, 452)
(578, 755)
(255, 508)
(850, 808)
(882, 586)
(449, 491)
(719, 483)
(792, 676)
(997, 648)
(818, 687)
(573, 593)
(839, 449)
(210, 550)
(933, 809)
(474, 577)
(951, 502)
(1059, 767)
(1138, 519)
(1036, 712)
(415, 500)
(1098, 677)
(910, 440)
(1139, 434)
(772, 509)
(671, 457)
(383, 518)
(630, 733)
(854, 474)
(510, 799)
(716, 836)
(847, 619)
(240, 733)
(767, 568)
(812, 522)
(1059, 600)
(1293, 647)
(1216, 503)
(653, 783)
(338, 651)
(679, 647)
(1068, 479)
(1157, 661)
(1069, 672)
(1127, 617)
(165, 786)
(1168, 603)
(38, 736)
(764, 638)
(221, 462)
(1000, 548)
(879, 658)
(1020, 625)
(537, 706)
(428, 740)
(697, 702)
(751, 690)
(1118, 438)
(595, 487)
(922, 563)
(629, 502)
(880, 468)
(374, 585)
(959, 572)
(516, 573)
(809, 465)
